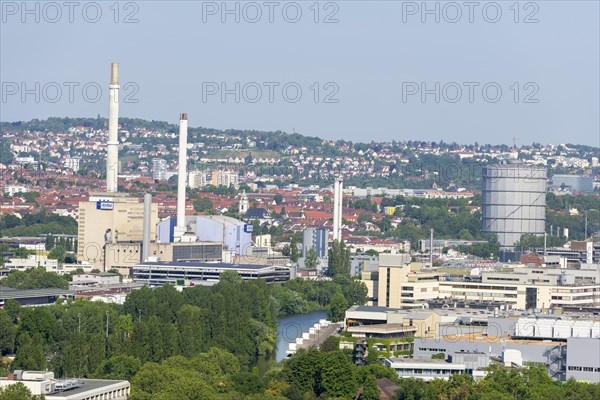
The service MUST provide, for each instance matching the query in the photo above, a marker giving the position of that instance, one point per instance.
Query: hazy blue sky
(372, 61)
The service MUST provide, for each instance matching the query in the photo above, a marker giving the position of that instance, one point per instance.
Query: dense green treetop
(35, 278)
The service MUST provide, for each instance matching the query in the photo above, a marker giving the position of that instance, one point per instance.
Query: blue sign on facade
(248, 228)
(105, 205)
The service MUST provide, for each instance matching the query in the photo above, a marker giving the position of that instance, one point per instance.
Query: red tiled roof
(317, 214)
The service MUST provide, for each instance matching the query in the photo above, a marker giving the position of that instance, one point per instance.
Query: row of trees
(35, 278)
(74, 338)
(77, 338)
(37, 224)
(334, 295)
(216, 374)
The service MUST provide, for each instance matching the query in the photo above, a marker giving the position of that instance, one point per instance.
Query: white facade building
(72, 163)
(11, 190)
(159, 169)
(197, 179)
(44, 383)
(224, 178)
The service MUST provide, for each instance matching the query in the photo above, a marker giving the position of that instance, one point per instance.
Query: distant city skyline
(378, 73)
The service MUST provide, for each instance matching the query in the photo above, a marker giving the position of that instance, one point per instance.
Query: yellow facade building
(110, 217)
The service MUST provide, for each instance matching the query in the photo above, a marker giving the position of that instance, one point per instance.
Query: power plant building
(110, 218)
(235, 235)
(513, 201)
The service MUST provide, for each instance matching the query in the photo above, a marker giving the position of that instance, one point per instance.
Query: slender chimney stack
(340, 205)
(147, 226)
(180, 228)
(112, 148)
(335, 209)
(338, 186)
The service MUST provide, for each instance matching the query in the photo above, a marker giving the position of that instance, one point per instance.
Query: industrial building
(29, 243)
(567, 347)
(583, 359)
(515, 353)
(235, 235)
(315, 238)
(573, 183)
(33, 297)
(43, 383)
(197, 273)
(513, 201)
(470, 339)
(423, 369)
(123, 256)
(110, 218)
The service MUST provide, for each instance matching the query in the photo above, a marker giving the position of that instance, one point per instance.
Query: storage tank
(513, 201)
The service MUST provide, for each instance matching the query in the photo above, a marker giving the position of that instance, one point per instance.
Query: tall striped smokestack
(180, 228)
(112, 148)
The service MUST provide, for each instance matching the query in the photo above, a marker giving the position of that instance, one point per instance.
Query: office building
(197, 179)
(197, 273)
(423, 369)
(224, 178)
(315, 238)
(573, 183)
(397, 285)
(159, 169)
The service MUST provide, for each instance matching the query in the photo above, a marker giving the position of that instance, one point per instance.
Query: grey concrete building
(583, 359)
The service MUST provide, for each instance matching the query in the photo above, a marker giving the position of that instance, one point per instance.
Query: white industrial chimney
(340, 203)
(147, 227)
(180, 228)
(112, 148)
(335, 209)
(338, 186)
